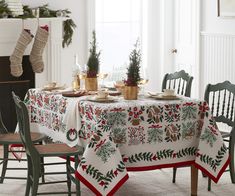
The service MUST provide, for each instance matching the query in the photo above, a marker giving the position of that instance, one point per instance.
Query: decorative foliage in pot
(133, 74)
(92, 66)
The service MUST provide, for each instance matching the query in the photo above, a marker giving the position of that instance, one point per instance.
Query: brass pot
(91, 84)
(130, 92)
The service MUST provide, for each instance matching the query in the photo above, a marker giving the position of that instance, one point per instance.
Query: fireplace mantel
(10, 30)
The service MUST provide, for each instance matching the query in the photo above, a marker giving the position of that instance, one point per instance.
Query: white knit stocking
(17, 55)
(37, 50)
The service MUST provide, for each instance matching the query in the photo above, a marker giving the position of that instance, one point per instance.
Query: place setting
(167, 94)
(102, 96)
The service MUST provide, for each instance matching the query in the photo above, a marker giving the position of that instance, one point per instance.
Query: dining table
(121, 136)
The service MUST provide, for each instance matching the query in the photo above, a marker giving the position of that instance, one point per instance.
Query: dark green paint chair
(180, 81)
(6, 140)
(221, 100)
(36, 152)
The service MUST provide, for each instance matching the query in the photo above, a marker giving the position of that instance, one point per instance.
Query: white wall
(211, 23)
(79, 43)
(217, 46)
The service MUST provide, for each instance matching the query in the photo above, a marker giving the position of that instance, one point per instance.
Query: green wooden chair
(221, 99)
(7, 139)
(36, 152)
(180, 81)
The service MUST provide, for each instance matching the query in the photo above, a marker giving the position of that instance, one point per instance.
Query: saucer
(166, 97)
(51, 88)
(74, 93)
(108, 99)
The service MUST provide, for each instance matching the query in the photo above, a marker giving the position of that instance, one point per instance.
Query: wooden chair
(36, 152)
(180, 81)
(7, 139)
(221, 99)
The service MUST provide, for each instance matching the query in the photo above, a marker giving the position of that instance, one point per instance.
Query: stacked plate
(15, 6)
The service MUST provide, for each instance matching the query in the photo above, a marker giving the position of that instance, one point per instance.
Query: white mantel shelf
(10, 29)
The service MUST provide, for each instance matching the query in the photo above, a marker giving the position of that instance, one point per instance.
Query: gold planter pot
(130, 92)
(91, 84)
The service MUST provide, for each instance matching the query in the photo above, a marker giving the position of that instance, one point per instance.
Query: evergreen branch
(94, 58)
(69, 27)
(133, 71)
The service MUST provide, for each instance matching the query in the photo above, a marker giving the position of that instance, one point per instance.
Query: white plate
(108, 99)
(50, 88)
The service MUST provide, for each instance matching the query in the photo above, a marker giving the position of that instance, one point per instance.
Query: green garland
(44, 12)
(4, 11)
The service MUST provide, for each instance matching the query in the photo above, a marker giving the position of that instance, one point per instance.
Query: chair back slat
(232, 110)
(24, 126)
(181, 80)
(213, 103)
(221, 96)
(182, 89)
(224, 102)
(169, 86)
(174, 83)
(218, 105)
(178, 90)
(3, 129)
(228, 106)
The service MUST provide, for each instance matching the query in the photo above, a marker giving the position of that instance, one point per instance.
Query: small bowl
(168, 92)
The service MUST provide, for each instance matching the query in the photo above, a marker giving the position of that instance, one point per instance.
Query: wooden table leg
(194, 180)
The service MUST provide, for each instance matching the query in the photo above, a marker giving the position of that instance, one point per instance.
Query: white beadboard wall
(217, 59)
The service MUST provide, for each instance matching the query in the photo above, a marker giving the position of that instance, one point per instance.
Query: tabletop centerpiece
(93, 64)
(133, 74)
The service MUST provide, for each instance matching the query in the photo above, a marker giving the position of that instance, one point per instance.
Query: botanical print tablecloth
(135, 135)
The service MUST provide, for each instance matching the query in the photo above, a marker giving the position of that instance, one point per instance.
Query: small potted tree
(93, 64)
(133, 74)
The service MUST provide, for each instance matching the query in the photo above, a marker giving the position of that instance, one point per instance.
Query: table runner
(126, 136)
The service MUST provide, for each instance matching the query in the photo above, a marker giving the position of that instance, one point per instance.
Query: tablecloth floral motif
(132, 136)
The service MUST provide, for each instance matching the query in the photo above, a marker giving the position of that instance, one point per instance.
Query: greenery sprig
(133, 71)
(44, 12)
(4, 11)
(94, 59)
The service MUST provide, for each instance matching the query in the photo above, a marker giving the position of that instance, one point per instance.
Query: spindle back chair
(180, 81)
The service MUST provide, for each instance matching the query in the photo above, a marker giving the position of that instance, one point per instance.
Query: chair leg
(5, 161)
(77, 182)
(42, 170)
(209, 184)
(231, 153)
(204, 175)
(29, 174)
(174, 174)
(36, 174)
(68, 175)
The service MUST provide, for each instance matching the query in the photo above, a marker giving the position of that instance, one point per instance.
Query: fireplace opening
(19, 85)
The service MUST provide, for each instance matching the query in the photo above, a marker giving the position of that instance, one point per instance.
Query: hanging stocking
(16, 57)
(37, 50)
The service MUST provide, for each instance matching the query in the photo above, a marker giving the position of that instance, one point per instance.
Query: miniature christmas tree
(133, 71)
(93, 61)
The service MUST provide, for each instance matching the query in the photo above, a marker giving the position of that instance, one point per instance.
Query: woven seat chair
(180, 81)
(7, 139)
(221, 100)
(36, 152)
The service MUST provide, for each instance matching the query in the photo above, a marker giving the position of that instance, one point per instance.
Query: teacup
(101, 94)
(168, 92)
